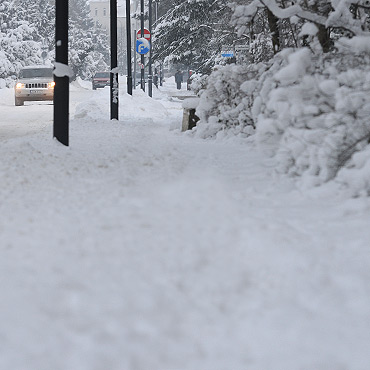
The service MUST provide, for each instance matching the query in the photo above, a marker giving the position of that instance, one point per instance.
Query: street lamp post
(114, 70)
(121, 45)
(135, 60)
(156, 3)
(128, 31)
(61, 89)
(150, 74)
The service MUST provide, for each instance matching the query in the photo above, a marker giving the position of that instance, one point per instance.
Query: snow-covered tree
(285, 19)
(88, 45)
(17, 44)
(41, 14)
(193, 32)
(307, 107)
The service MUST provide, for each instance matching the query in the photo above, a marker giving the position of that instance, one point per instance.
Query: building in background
(100, 13)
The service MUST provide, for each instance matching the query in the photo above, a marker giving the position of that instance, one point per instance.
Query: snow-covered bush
(310, 110)
(231, 95)
(198, 82)
(315, 111)
(355, 177)
(223, 104)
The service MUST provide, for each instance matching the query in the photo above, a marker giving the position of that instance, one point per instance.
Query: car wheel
(19, 102)
(94, 87)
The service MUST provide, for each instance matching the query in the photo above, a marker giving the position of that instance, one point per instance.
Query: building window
(105, 12)
(96, 11)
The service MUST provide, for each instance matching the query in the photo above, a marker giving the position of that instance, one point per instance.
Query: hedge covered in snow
(223, 104)
(312, 111)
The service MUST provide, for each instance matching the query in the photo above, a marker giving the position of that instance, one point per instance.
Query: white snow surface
(139, 247)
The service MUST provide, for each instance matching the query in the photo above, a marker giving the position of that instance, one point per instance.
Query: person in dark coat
(155, 77)
(178, 79)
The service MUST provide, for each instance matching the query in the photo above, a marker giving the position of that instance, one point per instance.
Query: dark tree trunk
(324, 38)
(274, 30)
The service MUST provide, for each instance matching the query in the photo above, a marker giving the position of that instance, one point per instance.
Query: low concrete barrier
(189, 118)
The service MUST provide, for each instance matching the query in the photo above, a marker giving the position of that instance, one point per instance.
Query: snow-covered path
(140, 247)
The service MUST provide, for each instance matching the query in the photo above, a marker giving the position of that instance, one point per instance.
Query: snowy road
(140, 247)
(39, 114)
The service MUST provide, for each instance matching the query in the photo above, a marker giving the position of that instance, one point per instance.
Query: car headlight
(19, 85)
(51, 84)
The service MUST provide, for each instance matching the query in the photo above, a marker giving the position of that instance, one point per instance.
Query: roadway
(33, 116)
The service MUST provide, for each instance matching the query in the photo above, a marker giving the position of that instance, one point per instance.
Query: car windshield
(36, 72)
(102, 74)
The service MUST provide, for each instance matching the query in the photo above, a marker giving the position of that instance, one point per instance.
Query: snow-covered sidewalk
(140, 247)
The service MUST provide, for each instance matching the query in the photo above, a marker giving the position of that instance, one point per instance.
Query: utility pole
(61, 89)
(150, 74)
(142, 80)
(135, 60)
(128, 31)
(113, 61)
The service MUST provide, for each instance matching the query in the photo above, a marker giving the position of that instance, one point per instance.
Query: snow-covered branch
(340, 17)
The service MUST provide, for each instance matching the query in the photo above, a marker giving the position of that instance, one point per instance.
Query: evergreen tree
(88, 46)
(193, 32)
(41, 14)
(17, 44)
(284, 20)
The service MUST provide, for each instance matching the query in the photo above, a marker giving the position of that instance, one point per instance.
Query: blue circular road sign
(142, 46)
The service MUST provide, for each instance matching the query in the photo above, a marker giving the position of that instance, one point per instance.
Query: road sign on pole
(142, 46)
(142, 28)
(227, 54)
(147, 34)
(150, 74)
(241, 47)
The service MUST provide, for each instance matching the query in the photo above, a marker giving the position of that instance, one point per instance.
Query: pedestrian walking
(155, 78)
(179, 79)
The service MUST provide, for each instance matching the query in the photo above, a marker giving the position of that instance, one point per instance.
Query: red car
(101, 79)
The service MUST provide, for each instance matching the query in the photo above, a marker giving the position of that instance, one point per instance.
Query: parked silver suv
(34, 83)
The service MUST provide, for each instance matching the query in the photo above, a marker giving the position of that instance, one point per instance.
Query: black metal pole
(142, 80)
(150, 74)
(161, 74)
(113, 61)
(61, 89)
(135, 60)
(128, 31)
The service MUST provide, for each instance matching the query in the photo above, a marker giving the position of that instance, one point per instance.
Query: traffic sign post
(227, 54)
(150, 74)
(142, 75)
(142, 46)
(228, 51)
(146, 35)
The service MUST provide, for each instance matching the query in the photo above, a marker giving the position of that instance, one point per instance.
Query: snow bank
(131, 106)
(141, 248)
